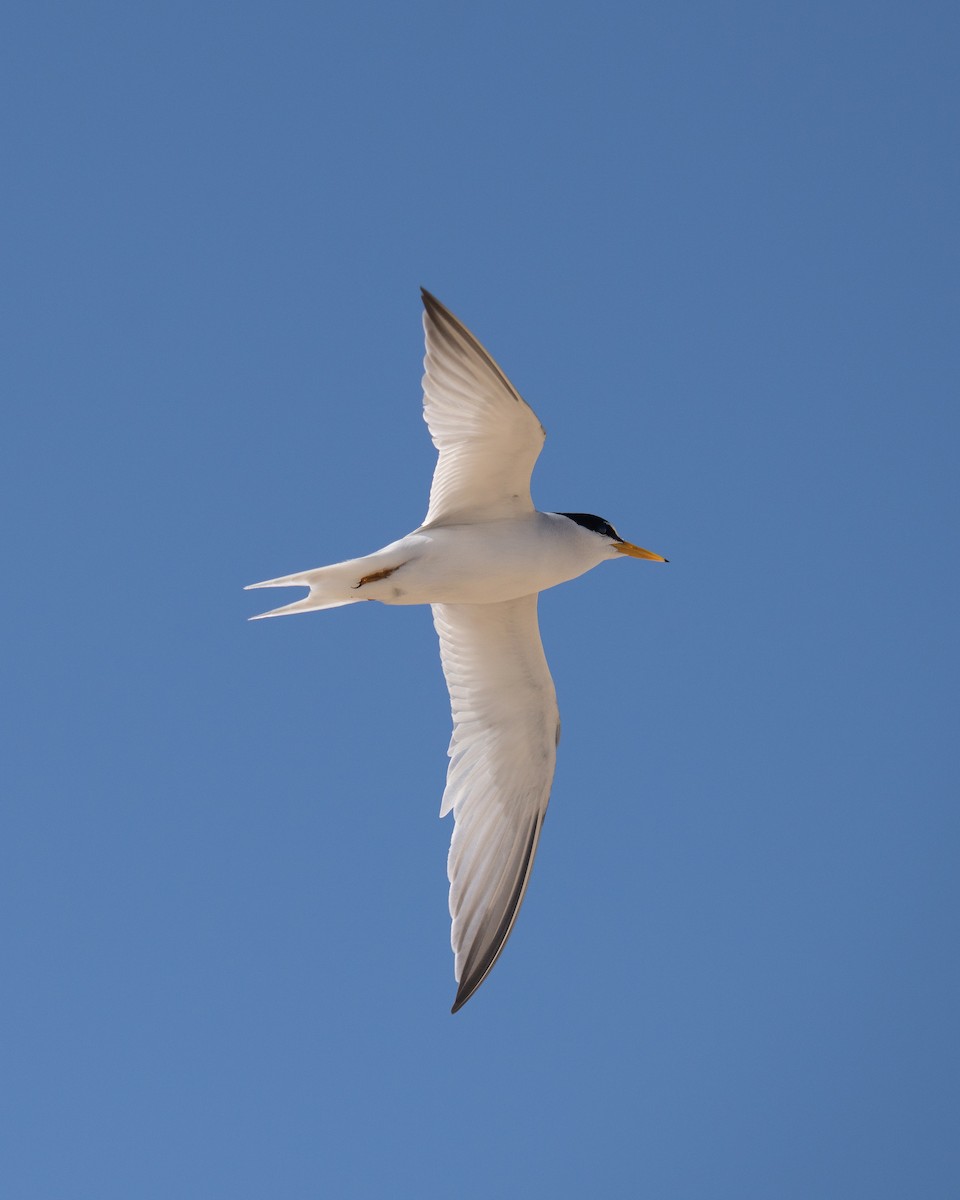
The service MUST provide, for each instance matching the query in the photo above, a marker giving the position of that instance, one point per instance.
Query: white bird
(480, 559)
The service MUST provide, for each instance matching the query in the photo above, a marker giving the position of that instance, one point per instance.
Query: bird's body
(482, 563)
(480, 559)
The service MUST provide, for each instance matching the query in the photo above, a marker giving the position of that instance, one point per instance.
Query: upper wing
(488, 436)
(506, 727)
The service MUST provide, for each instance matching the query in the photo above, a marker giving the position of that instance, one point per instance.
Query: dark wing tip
(444, 322)
(442, 318)
(476, 972)
(456, 333)
(430, 302)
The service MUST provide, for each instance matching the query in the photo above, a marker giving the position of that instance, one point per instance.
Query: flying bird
(480, 559)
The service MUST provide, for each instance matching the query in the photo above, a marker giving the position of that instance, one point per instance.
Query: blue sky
(715, 247)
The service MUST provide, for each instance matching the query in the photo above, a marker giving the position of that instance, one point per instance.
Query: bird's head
(606, 531)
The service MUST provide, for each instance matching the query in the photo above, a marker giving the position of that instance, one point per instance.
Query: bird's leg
(377, 575)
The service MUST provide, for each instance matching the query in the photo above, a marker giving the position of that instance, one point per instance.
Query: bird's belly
(477, 564)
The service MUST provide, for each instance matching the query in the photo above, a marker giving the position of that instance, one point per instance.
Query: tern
(480, 559)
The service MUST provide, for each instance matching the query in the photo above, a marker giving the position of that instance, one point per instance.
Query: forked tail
(327, 586)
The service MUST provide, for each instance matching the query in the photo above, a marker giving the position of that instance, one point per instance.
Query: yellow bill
(638, 552)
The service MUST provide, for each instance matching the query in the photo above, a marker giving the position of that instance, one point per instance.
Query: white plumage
(481, 557)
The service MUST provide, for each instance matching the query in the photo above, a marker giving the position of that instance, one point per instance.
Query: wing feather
(487, 436)
(502, 756)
